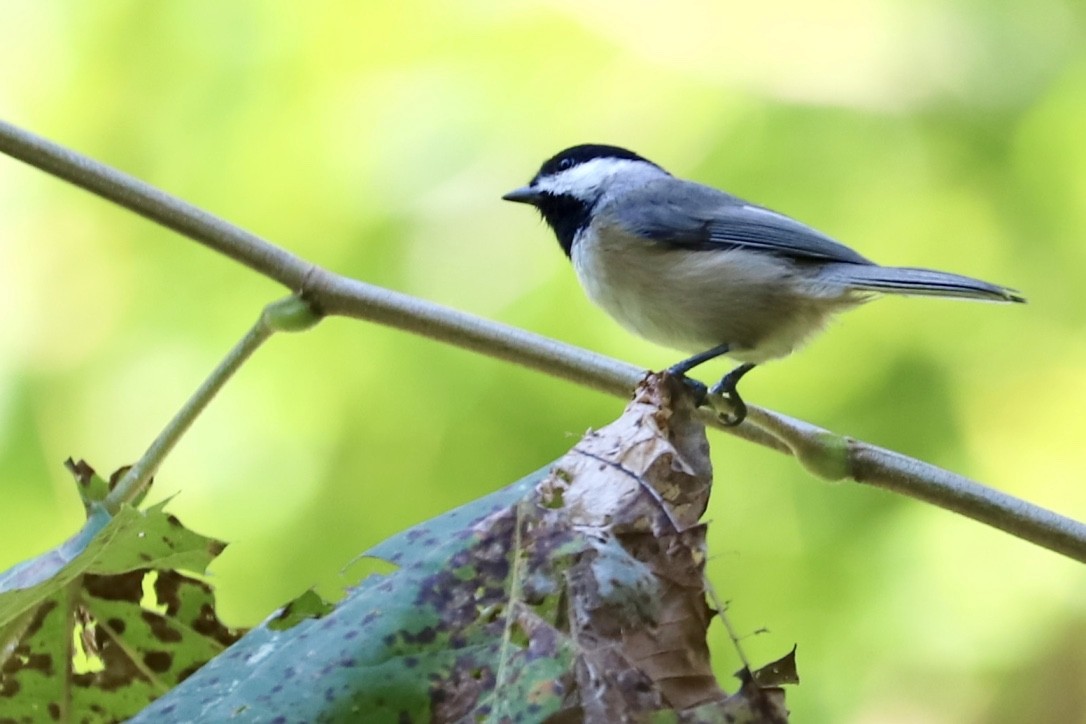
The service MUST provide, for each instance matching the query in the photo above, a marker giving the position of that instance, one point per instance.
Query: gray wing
(683, 213)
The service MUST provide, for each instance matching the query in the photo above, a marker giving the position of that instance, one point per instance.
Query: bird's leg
(679, 369)
(726, 387)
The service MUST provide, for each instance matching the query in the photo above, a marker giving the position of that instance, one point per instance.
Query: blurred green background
(375, 138)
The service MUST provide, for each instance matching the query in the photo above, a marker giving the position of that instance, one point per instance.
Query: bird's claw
(739, 408)
(725, 388)
(698, 389)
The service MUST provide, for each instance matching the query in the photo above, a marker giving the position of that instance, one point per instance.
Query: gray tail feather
(917, 282)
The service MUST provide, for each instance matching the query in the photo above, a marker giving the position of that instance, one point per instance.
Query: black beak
(524, 195)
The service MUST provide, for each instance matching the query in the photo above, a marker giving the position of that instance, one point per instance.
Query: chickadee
(696, 269)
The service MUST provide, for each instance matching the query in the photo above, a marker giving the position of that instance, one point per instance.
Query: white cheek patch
(585, 180)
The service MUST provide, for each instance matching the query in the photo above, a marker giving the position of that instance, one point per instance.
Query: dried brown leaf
(638, 615)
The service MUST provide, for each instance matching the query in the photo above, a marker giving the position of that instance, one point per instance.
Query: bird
(693, 268)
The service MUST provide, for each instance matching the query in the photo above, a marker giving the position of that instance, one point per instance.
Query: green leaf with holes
(104, 623)
(428, 639)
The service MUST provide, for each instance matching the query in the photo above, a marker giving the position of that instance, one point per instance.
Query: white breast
(695, 300)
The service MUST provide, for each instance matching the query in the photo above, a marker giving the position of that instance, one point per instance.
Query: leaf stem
(135, 481)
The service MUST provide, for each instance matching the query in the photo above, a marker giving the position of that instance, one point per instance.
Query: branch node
(291, 314)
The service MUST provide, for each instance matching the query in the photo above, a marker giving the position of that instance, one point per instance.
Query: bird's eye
(565, 164)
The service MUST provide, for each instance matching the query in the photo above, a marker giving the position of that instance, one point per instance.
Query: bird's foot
(726, 388)
(698, 389)
(739, 408)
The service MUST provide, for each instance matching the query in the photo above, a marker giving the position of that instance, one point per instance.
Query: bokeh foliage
(375, 138)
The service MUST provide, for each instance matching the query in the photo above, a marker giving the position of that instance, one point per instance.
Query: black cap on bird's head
(576, 155)
(566, 160)
(569, 183)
